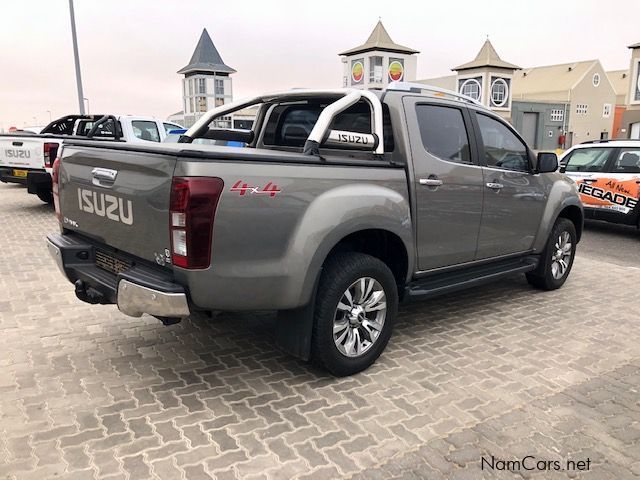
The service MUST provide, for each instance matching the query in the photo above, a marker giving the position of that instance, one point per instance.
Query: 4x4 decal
(243, 188)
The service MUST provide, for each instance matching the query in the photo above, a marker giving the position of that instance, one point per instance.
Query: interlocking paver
(500, 370)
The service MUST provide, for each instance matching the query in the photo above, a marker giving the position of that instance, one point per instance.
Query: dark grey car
(344, 203)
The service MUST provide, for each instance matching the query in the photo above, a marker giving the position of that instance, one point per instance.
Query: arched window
(499, 92)
(596, 79)
(471, 88)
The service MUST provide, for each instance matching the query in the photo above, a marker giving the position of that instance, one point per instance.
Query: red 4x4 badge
(243, 188)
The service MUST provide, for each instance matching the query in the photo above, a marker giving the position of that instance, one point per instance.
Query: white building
(378, 61)
(206, 84)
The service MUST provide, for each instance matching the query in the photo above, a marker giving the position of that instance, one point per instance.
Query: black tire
(45, 195)
(338, 274)
(543, 277)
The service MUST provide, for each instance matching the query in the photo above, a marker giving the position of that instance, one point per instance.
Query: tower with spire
(487, 78)
(207, 82)
(378, 61)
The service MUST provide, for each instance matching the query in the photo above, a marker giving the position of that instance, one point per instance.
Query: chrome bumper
(134, 300)
(56, 254)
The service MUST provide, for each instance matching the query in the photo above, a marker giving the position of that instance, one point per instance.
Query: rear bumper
(140, 289)
(7, 176)
(38, 181)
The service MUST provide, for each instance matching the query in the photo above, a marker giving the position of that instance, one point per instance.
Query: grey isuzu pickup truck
(341, 204)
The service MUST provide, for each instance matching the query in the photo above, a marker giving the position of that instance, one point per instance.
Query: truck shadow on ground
(250, 336)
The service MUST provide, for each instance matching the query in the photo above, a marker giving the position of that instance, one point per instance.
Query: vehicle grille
(108, 262)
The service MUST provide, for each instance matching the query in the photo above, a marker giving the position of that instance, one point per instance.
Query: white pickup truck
(27, 158)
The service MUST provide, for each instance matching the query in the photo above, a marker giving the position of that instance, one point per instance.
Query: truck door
(514, 196)
(448, 182)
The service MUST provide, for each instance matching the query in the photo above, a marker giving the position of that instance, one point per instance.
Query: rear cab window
(145, 130)
(289, 125)
(443, 132)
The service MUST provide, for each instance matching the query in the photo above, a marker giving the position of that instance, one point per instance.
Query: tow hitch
(87, 294)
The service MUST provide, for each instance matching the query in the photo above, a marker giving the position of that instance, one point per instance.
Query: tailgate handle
(103, 175)
(17, 144)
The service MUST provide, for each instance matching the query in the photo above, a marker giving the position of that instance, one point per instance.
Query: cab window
(627, 161)
(588, 160)
(502, 148)
(168, 127)
(145, 130)
(443, 133)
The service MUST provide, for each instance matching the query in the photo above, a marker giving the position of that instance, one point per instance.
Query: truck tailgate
(21, 152)
(105, 194)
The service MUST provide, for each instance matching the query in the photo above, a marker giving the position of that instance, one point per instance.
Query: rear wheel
(356, 306)
(45, 195)
(557, 259)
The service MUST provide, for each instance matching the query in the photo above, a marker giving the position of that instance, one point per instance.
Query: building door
(635, 130)
(530, 128)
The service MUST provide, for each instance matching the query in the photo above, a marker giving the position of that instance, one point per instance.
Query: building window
(606, 110)
(202, 104)
(375, 70)
(191, 105)
(219, 102)
(596, 79)
(202, 86)
(219, 86)
(471, 88)
(499, 92)
(582, 108)
(190, 86)
(557, 115)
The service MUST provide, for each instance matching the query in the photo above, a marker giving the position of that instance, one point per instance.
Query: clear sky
(130, 50)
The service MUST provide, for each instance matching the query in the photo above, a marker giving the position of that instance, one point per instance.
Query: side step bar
(443, 283)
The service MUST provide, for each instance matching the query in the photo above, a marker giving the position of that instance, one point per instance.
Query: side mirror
(547, 162)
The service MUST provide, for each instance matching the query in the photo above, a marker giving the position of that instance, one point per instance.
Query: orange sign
(609, 193)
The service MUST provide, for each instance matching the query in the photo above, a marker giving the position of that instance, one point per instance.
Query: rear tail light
(192, 212)
(55, 174)
(50, 152)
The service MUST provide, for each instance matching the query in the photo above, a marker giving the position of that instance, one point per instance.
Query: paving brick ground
(502, 371)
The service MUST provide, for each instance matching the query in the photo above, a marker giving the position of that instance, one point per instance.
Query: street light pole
(76, 58)
(88, 106)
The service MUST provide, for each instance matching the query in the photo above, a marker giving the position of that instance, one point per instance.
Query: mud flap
(295, 327)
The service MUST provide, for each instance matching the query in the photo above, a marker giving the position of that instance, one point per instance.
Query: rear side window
(145, 130)
(588, 160)
(628, 161)
(444, 133)
(502, 149)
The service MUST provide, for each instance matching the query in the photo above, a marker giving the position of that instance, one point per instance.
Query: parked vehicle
(344, 203)
(174, 136)
(608, 176)
(26, 158)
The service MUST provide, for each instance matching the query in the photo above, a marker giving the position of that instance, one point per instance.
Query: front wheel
(356, 306)
(557, 258)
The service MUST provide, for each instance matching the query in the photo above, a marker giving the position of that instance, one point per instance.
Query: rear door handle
(494, 186)
(430, 182)
(589, 179)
